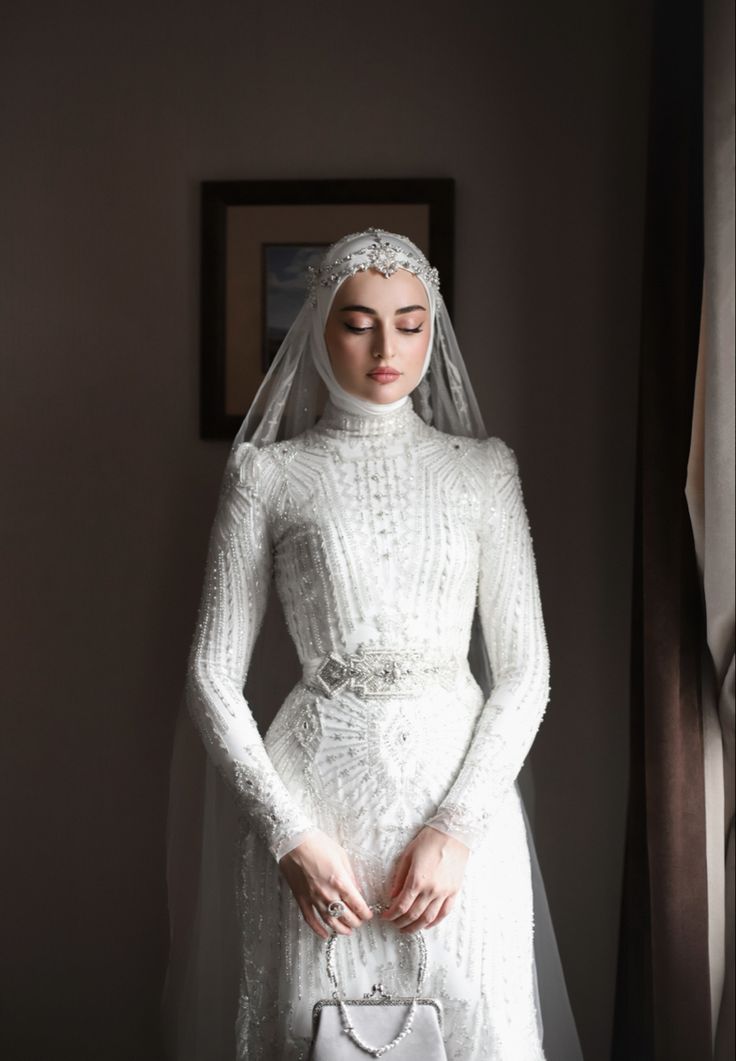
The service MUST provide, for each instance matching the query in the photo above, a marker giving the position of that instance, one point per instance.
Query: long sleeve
(513, 630)
(232, 606)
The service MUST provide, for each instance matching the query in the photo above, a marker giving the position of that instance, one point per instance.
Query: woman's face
(377, 332)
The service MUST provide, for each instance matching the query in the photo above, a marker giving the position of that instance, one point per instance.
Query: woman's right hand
(319, 872)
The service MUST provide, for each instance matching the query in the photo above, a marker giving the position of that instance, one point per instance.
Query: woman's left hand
(426, 880)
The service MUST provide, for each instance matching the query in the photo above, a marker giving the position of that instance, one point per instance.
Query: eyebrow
(367, 309)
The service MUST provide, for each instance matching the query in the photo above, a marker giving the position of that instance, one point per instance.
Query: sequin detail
(379, 534)
(381, 254)
(382, 672)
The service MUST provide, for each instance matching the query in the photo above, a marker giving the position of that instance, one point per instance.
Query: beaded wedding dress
(379, 534)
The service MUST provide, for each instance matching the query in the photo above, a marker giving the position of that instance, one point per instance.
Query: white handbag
(346, 1029)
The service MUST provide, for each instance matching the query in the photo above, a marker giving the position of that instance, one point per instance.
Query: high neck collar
(395, 422)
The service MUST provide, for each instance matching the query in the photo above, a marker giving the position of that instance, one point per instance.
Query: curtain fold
(710, 495)
(663, 1010)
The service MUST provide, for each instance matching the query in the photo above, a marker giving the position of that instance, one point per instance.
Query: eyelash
(361, 331)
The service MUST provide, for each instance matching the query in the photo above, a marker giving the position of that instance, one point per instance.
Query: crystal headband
(381, 254)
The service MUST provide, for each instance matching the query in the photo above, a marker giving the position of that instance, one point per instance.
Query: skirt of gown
(369, 772)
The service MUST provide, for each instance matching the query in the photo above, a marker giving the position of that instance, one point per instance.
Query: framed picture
(258, 237)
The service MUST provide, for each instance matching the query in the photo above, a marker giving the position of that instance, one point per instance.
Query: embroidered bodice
(379, 533)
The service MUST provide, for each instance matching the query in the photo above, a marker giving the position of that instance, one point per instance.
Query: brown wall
(110, 116)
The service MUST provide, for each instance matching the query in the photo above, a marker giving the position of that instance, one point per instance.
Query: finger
(356, 883)
(405, 890)
(351, 897)
(444, 909)
(402, 903)
(399, 875)
(333, 923)
(346, 917)
(427, 919)
(415, 911)
(336, 925)
(311, 918)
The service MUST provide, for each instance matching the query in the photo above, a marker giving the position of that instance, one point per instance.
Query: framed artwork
(258, 237)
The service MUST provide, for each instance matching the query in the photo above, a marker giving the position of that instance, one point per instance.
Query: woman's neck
(354, 422)
(349, 403)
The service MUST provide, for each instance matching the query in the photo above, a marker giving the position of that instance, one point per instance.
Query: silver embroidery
(381, 254)
(379, 533)
(370, 672)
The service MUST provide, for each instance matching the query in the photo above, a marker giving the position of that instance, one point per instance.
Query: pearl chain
(348, 1028)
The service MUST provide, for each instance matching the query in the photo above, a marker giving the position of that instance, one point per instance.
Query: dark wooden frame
(216, 196)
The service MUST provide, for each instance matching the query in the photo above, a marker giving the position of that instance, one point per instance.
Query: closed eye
(360, 331)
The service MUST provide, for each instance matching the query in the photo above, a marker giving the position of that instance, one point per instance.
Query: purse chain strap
(376, 1051)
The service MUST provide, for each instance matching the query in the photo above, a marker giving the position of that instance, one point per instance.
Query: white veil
(200, 991)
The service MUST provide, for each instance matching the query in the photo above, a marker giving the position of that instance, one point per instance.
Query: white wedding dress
(380, 533)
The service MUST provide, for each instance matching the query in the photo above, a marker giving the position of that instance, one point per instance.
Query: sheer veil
(200, 991)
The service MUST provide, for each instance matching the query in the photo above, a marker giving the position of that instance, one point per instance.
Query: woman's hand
(426, 879)
(319, 872)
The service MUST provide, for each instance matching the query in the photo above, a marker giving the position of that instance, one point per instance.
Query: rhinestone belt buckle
(333, 674)
(373, 672)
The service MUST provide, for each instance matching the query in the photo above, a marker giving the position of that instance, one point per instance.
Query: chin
(383, 393)
(385, 399)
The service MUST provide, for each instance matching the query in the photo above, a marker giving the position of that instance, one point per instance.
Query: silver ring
(336, 908)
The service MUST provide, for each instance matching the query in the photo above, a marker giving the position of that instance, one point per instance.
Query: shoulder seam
(237, 459)
(501, 456)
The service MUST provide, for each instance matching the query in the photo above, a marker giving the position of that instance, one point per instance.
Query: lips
(384, 374)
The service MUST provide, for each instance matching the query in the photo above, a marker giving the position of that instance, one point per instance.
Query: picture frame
(258, 236)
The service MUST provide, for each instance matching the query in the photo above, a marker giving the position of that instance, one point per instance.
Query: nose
(382, 346)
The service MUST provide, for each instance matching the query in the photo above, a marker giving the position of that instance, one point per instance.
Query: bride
(362, 484)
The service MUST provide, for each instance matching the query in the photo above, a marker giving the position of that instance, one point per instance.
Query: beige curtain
(710, 496)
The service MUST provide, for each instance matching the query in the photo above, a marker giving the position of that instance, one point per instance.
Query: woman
(388, 774)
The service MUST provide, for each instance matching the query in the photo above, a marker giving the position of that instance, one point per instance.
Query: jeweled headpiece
(382, 253)
(291, 395)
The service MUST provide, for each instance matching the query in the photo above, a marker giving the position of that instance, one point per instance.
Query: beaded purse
(349, 1028)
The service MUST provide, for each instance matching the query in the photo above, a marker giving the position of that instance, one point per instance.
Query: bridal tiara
(380, 254)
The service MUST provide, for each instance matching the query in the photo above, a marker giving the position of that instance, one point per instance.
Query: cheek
(334, 340)
(344, 349)
(419, 350)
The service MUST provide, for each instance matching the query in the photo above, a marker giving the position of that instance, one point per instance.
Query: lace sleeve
(513, 629)
(232, 606)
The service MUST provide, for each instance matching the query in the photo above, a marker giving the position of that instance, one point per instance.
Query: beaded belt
(380, 672)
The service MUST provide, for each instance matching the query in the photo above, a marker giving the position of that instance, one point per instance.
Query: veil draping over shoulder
(200, 992)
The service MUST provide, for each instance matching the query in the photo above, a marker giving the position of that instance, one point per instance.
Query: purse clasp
(378, 991)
